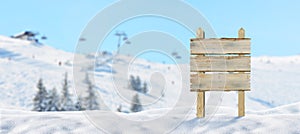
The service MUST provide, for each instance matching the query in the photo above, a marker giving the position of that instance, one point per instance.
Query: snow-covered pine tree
(138, 84)
(54, 101)
(119, 108)
(136, 104)
(132, 82)
(91, 99)
(145, 88)
(40, 100)
(79, 104)
(162, 93)
(66, 100)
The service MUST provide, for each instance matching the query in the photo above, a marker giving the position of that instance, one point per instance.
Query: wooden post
(201, 94)
(241, 33)
(241, 103)
(200, 33)
(241, 94)
(201, 104)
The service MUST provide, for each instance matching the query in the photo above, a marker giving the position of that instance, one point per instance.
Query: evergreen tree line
(137, 85)
(136, 105)
(140, 87)
(45, 100)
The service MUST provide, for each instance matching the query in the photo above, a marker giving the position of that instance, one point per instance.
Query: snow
(272, 105)
(277, 120)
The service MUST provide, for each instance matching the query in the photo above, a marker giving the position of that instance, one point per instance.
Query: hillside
(275, 84)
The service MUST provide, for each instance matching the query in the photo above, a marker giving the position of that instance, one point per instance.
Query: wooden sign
(222, 64)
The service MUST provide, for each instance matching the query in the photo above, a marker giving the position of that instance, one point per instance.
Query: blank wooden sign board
(220, 64)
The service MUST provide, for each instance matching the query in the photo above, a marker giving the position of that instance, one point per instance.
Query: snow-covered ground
(272, 105)
(284, 119)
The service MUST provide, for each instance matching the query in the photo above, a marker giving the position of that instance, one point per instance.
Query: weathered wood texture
(201, 104)
(241, 33)
(220, 46)
(200, 33)
(241, 103)
(220, 63)
(220, 82)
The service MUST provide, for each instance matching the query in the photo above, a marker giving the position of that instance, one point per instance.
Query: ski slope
(281, 120)
(271, 105)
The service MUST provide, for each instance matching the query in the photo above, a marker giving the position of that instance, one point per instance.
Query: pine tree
(91, 99)
(162, 93)
(54, 101)
(136, 104)
(132, 82)
(79, 104)
(119, 108)
(138, 84)
(40, 100)
(145, 88)
(66, 100)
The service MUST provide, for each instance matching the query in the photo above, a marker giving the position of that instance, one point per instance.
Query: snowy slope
(22, 64)
(283, 120)
(275, 81)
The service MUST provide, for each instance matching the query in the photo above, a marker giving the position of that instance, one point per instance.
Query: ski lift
(82, 39)
(128, 42)
(178, 57)
(120, 34)
(44, 38)
(174, 54)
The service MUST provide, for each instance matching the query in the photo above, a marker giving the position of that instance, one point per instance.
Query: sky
(272, 25)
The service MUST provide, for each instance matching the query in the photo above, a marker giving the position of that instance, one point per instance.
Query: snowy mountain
(275, 86)
(23, 64)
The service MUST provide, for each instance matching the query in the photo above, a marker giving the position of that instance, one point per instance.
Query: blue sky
(272, 25)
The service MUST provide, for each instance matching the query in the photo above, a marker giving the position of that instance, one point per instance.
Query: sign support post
(228, 62)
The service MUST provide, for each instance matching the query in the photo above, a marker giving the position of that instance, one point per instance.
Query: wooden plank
(220, 82)
(220, 63)
(241, 103)
(201, 104)
(232, 39)
(220, 46)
